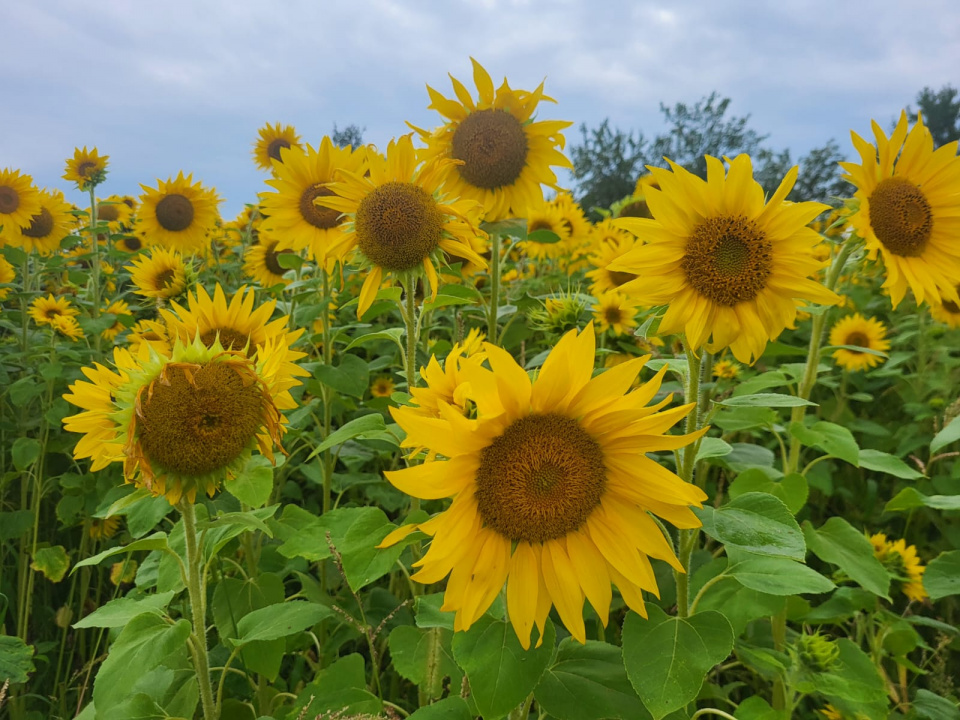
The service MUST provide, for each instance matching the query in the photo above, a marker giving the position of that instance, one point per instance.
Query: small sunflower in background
(182, 424)
(118, 308)
(726, 370)
(129, 244)
(44, 310)
(86, 168)
(902, 562)
(273, 139)
(607, 254)
(19, 202)
(7, 276)
(178, 214)
(909, 210)
(947, 312)
(382, 387)
(505, 156)
(731, 268)
(115, 212)
(160, 274)
(545, 217)
(67, 326)
(152, 333)
(575, 221)
(615, 312)
(445, 385)
(473, 342)
(399, 221)
(635, 205)
(260, 263)
(551, 489)
(862, 332)
(605, 234)
(47, 227)
(103, 528)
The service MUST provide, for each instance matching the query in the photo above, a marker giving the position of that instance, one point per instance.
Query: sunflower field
(412, 437)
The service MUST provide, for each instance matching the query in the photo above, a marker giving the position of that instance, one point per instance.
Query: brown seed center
(540, 479)
(398, 225)
(86, 168)
(493, 147)
(175, 212)
(164, 279)
(612, 315)
(270, 260)
(197, 423)
(133, 244)
(638, 208)
(320, 217)
(108, 213)
(901, 217)
(858, 339)
(41, 225)
(9, 200)
(728, 260)
(274, 148)
(230, 339)
(620, 278)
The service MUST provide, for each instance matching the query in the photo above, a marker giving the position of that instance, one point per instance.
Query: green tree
(350, 135)
(941, 113)
(606, 165)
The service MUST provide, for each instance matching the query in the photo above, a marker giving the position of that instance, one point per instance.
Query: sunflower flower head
(552, 491)
(7, 276)
(67, 326)
(19, 202)
(44, 310)
(178, 214)
(382, 387)
(546, 232)
(105, 528)
(120, 309)
(272, 139)
(909, 209)
(947, 312)
(503, 155)
(726, 370)
(261, 263)
(162, 274)
(858, 331)
(731, 268)
(902, 562)
(615, 312)
(86, 168)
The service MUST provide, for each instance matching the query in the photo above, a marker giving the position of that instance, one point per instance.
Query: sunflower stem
(494, 308)
(197, 593)
(408, 309)
(327, 455)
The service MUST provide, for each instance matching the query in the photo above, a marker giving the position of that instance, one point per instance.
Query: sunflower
(67, 326)
(606, 234)
(115, 212)
(179, 214)
(161, 274)
(293, 216)
(236, 325)
(909, 211)
(545, 217)
(551, 489)
(606, 254)
(273, 139)
(503, 155)
(47, 227)
(947, 312)
(726, 370)
(180, 424)
(260, 263)
(635, 205)
(103, 529)
(859, 331)
(473, 342)
(574, 220)
(7, 277)
(616, 312)
(382, 387)
(19, 202)
(442, 387)
(726, 264)
(399, 220)
(129, 244)
(44, 310)
(902, 562)
(86, 168)
(152, 333)
(117, 307)
(479, 245)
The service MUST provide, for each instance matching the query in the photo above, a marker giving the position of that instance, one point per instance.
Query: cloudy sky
(185, 84)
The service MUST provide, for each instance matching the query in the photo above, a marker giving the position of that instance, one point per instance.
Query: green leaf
(833, 439)
(910, 498)
(854, 677)
(451, 708)
(157, 541)
(544, 237)
(756, 708)
(53, 562)
(234, 598)
(766, 400)
(744, 418)
(254, 483)
(758, 523)
(949, 434)
(361, 427)
(279, 621)
(119, 612)
(791, 489)
(740, 605)
(143, 644)
(15, 523)
(500, 671)
(351, 377)
(839, 543)
(711, 447)
(25, 451)
(942, 576)
(392, 334)
(588, 682)
(16, 659)
(886, 463)
(776, 576)
(667, 658)
(414, 652)
(340, 689)
(930, 706)
(289, 261)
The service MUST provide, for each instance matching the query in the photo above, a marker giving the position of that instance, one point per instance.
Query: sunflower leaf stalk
(493, 310)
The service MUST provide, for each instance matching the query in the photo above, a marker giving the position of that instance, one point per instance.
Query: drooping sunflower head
(47, 227)
(44, 310)
(67, 326)
(261, 263)
(858, 331)
(86, 168)
(19, 202)
(105, 528)
(552, 491)
(902, 562)
(161, 274)
(504, 155)
(399, 220)
(273, 139)
(178, 214)
(546, 232)
(909, 209)
(180, 424)
(731, 268)
(293, 215)
(614, 311)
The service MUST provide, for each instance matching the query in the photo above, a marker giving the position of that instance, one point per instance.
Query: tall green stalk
(326, 458)
(494, 309)
(196, 589)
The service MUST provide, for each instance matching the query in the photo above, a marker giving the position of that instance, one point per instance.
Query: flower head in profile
(553, 493)
(86, 168)
(731, 268)
(902, 562)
